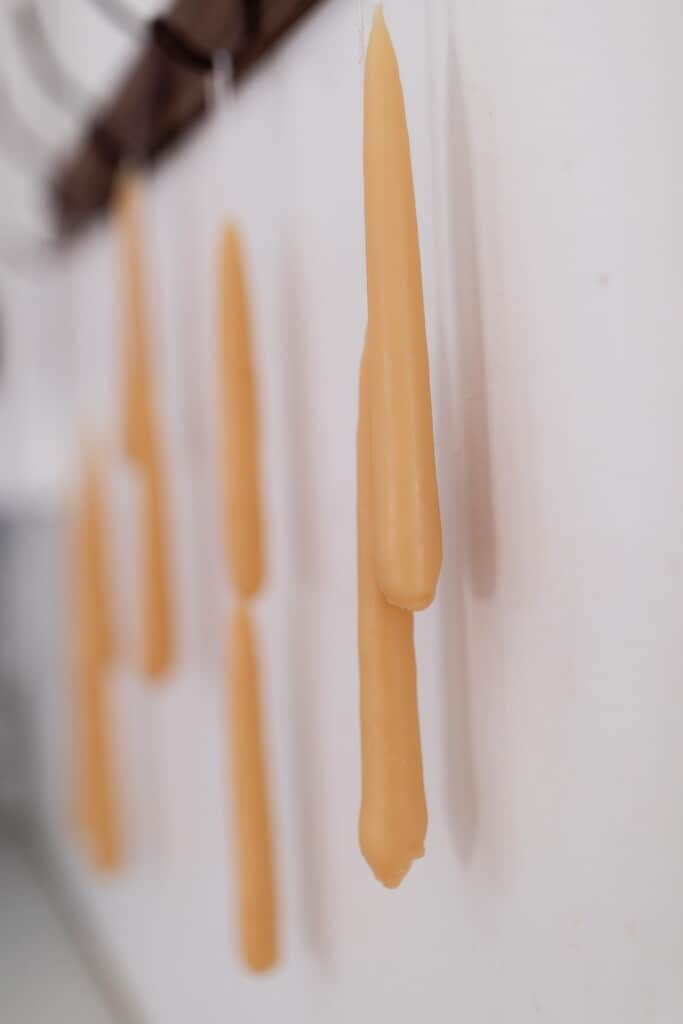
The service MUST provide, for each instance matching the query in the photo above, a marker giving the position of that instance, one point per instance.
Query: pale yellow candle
(239, 448)
(252, 830)
(407, 519)
(393, 816)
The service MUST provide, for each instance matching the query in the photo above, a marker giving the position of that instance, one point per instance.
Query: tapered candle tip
(231, 236)
(378, 17)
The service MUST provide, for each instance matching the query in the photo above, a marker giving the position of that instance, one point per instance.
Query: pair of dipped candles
(244, 547)
(94, 804)
(243, 520)
(399, 526)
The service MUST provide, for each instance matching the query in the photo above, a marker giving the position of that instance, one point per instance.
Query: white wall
(548, 163)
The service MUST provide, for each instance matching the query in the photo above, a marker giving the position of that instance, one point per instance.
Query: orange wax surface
(252, 830)
(393, 816)
(407, 519)
(95, 804)
(140, 437)
(240, 431)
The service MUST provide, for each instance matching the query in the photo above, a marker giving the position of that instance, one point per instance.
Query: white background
(548, 161)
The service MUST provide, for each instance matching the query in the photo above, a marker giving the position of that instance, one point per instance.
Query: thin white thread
(430, 34)
(363, 33)
(223, 78)
(220, 94)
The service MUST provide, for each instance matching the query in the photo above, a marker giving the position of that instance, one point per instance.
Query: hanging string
(437, 225)
(220, 83)
(219, 98)
(362, 30)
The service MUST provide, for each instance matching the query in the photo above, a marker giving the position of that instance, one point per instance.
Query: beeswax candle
(157, 633)
(240, 435)
(99, 813)
(140, 439)
(407, 520)
(136, 399)
(257, 911)
(393, 816)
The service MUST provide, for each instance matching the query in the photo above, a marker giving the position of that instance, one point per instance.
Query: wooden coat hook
(179, 47)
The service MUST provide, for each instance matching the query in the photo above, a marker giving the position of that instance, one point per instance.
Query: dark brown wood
(162, 97)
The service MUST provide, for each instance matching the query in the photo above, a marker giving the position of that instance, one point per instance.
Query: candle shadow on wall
(307, 753)
(481, 550)
(461, 790)
(299, 425)
(140, 768)
(470, 543)
(300, 615)
(196, 431)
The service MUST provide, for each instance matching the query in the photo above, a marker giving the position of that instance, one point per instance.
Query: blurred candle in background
(239, 447)
(79, 646)
(157, 637)
(239, 470)
(140, 435)
(135, 318)
(251, 817)
(95, 800)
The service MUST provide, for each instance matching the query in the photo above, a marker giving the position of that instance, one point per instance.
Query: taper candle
(393, 816)
(407, 518)
(141, 442)
(136, 398)
(157, 626)
(100, 812)
(239, 449)
(252, 830)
